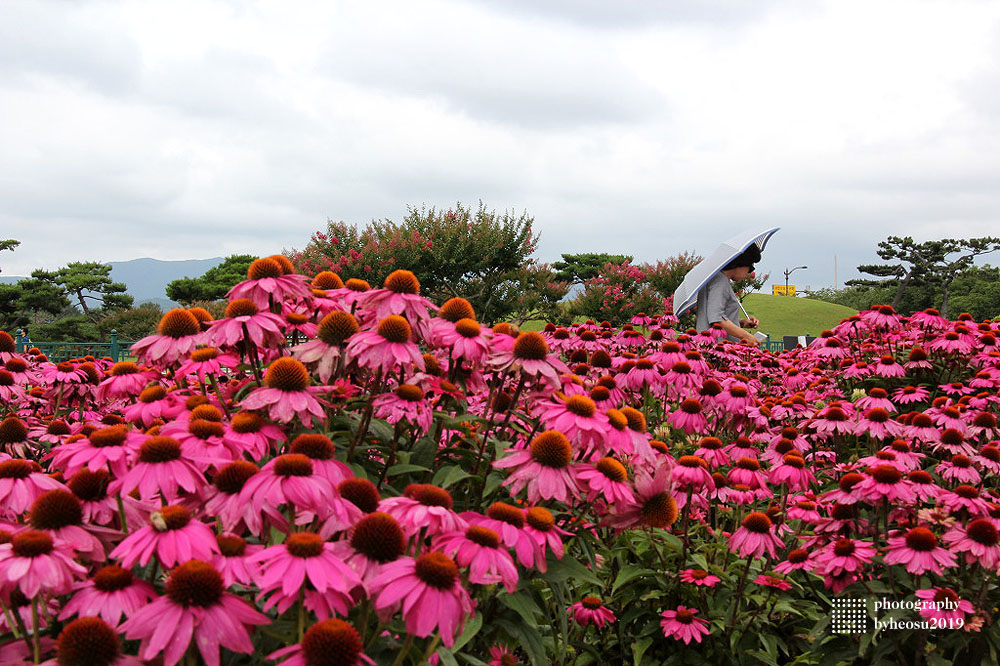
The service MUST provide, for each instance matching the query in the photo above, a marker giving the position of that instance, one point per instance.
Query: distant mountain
(147, 278)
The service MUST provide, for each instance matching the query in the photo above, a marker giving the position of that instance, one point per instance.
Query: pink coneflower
(159, 469)
(797, 559)
(59, 513)
(877, 423)
(501, 655)
(232, 560)
(287, 393)
(843, 555)
(989, 458)
(126, 379)
(833, 421)
(984, 423)
(479, 548)
(918, 549)
(269, 282)
(172, 535)
(885, 482)
(321, 451)
(21, 483)
(154, 403)
(177, 335)
(944, 605)
(643, 375)
(387, 346)
(252, 434)
(792, 471)
(711, 450)
(540, 526)
(66, 372)
(112, 594)
(958, 470)
(690, 418)
(87, 640)
(948, 418)
(590, 611)
(888, 367)
(407, 403)
(544, 468)
(755, 537)
(289, 480)
(804, 510)
(509, 522)
(400, 295)
(34, 562)
(195, 606)
(323, 643)
(222, 501)
(953, 441)
(747, 472)
(110, 448)
(773, 581)
(245, 321)
(978, 540)
(305, 558)
(876, 397)
(324, 354)
(910, 394)
(682, 625)
(575, 416)
(207, 361)
(431, 593)
(423, 505)
(374, 541)
(608, 478)
(964, 497)
(655, 505)
(466, 341)
(922, 428)
(530, 357)
(691, 473)
(699, 577)
(92, 490)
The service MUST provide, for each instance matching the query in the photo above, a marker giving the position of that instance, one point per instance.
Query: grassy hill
(783, 315)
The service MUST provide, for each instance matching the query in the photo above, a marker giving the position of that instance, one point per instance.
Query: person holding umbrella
(709, 286)
(718, 303)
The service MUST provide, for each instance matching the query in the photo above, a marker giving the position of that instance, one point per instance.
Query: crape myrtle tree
(476, 253)
(214, 283)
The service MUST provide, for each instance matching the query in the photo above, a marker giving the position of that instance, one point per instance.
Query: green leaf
(493, 482)
(446, 476)
(472, 627)
(629, 572)
(528, 638)
(639, 649)
(522, 604)
(405, 468)
(569, 569)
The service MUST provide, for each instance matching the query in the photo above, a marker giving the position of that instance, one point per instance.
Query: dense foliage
(914, 276)
(407, 484)
(214, 283)
(479, 254)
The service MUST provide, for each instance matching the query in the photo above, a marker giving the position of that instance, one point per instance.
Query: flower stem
(407, 644)
(36, 647)
(431, 647)
(301, 624)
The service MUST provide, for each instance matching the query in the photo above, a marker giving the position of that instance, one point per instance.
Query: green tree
(214, 283)
(472, 253)
(133, 323)
(577, 268)
(977, 291)
(9, 244)
(930, 266)
(666, 275)
(30, 300)
(84, 281)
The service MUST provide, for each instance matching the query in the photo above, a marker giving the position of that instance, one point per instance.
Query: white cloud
(195, 129)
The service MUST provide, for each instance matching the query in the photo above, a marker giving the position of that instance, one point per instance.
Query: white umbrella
(686, 295)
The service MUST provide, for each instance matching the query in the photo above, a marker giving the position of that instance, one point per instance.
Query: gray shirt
(717, 301)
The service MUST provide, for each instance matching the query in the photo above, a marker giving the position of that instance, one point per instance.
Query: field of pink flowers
(341, 474)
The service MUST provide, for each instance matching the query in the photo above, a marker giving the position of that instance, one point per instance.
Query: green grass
(785, 315)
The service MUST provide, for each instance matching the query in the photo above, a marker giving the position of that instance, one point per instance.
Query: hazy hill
(147, 278)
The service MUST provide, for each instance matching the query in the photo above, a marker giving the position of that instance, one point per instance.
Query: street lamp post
(789, 272)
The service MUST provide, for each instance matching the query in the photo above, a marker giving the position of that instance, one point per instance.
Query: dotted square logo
(850, 616)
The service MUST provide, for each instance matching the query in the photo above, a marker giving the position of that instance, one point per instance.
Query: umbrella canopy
(687, 294)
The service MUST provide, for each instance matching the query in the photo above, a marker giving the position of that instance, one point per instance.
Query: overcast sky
(182, 130)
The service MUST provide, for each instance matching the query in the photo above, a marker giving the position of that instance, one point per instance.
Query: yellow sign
(782, 290)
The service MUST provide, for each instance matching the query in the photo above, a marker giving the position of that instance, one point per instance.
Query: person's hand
(752, 322)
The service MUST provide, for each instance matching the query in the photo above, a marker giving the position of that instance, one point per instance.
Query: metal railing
(114, 349)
